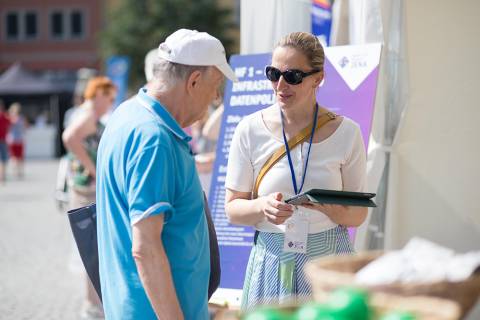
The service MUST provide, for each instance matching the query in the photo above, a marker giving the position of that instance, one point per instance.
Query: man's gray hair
(169, 73)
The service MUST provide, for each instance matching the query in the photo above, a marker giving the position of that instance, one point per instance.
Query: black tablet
(346, 198)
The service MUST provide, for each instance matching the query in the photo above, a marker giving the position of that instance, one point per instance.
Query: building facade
(50, 34)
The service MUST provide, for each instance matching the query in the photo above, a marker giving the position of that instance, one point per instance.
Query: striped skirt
(274, 277)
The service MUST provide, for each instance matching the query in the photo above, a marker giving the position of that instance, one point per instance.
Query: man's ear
(192, 81)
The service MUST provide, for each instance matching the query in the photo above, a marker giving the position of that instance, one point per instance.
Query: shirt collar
(163, 114)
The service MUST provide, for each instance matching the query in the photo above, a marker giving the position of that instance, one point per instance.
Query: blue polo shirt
(145, 168)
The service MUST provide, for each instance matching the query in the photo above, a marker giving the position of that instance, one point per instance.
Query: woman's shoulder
(350, 131)
(251, 122)
(253, 117)
(349, 126)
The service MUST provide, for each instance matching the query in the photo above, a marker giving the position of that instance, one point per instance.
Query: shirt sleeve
(354, 171)
(150, 183)
(240, 169)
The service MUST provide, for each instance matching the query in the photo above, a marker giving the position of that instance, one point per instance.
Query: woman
(336, 160)
(16, 138)
(81, 138)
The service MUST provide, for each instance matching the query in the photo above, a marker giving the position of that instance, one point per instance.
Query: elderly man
(152, 232)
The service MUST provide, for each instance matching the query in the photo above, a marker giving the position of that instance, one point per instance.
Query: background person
(4, 126)
(81, 139)
(153, 238)
(16, 138)
(336, 160)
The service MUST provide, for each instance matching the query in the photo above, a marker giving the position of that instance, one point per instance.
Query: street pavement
(38, 277)
(37, 280)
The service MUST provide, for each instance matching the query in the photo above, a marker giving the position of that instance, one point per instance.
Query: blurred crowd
(12, 132)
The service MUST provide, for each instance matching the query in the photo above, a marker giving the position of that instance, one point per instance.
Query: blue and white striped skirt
(274, 277)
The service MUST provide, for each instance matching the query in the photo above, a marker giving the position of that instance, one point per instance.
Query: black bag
(83, 222)
(215, 271)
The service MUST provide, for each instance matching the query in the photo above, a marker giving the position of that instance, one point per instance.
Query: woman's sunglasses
(291, 76)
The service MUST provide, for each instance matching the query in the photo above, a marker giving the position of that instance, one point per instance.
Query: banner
(322, 20)
(117, 69)
(348, 89)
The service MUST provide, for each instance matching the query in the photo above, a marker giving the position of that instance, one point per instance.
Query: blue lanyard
(290, 163)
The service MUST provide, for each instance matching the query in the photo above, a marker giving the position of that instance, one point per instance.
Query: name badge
(296, 233)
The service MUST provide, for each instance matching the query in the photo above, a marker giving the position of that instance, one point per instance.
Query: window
(21, 25)
(12, 26)
(67, 24)
(30, 25)
(76, 24)
(56, 24)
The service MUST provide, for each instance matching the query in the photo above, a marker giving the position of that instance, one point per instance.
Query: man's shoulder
(130, 115)
(132, 124)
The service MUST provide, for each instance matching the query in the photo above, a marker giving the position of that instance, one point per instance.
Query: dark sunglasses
(291, 76)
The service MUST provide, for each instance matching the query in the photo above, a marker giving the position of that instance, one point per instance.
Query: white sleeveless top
(337, 163)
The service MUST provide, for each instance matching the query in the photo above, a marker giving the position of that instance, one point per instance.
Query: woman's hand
(274, 209)
(343, 215)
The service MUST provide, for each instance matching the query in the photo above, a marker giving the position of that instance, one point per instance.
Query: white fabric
(263, 23)
(340, 19)
(337, 163)
(365, 25)
(194, 48)
(420, 261)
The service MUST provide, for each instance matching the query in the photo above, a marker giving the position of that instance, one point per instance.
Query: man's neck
(171, 100)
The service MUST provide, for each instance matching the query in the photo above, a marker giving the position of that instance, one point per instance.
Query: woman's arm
(344, 215)
(73, 136)
(240, 209)
(354, 176)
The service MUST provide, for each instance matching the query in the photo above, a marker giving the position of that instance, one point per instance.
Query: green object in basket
(398, 315)
(266, 314)
(314, 311)
(349, 303)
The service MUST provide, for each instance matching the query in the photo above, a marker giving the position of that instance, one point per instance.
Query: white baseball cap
(149, 61)
(194, 48)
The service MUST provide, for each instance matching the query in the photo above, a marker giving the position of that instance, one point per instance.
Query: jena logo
(343, 62)
(354, 63)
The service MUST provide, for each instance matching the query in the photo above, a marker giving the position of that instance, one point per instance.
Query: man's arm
(154, 268)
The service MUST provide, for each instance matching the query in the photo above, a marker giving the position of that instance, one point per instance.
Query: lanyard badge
(290, 163)
(296, 228)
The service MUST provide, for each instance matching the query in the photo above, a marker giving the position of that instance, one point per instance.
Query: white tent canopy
(264, 22)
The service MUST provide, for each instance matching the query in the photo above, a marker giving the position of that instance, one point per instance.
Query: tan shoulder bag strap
(299, 138)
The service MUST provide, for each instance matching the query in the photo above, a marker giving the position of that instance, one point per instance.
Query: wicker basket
(329, 273)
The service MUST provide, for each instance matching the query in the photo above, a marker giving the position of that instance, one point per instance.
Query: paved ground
(36, 280)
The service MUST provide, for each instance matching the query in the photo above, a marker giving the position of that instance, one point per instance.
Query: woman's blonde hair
(308, 44)
(98, 83)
